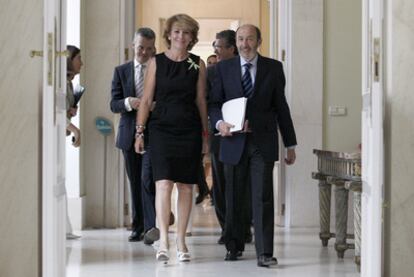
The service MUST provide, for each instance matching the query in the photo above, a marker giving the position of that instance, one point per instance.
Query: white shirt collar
(137, 64)
(253, 61)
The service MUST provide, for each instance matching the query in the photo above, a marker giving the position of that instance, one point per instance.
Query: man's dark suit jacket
(266, 110)
(123, 85)
(214, 140)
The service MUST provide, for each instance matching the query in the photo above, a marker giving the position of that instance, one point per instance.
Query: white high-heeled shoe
(183, 256)
(162, 255)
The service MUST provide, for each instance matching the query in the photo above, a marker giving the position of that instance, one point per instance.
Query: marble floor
(107, 253)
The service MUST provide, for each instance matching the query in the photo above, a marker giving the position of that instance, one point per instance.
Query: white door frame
(372, 138)
(53, 140)
(280, 49)
(126, 31)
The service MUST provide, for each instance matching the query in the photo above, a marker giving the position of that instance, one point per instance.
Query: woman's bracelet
(205, 133)
(139, 128)
(139, 135)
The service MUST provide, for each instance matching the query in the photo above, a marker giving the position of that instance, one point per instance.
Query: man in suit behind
(251, 153)
(127, 90)
(225, 48)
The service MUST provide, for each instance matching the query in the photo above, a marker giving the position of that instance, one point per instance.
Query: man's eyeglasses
(215, 46)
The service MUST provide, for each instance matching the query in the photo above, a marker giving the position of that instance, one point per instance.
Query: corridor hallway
(107, 253)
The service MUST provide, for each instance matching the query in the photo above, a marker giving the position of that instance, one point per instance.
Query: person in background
(249, 156)
(178, 126)
(127, 91)
(225, 48)
(211, 60)
(74, 65)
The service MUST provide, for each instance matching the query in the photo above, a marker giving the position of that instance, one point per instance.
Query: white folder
(234, 112)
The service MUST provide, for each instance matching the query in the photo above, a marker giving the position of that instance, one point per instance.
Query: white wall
(306, 107)
(342, 74)
(101, 46)
(150, 12)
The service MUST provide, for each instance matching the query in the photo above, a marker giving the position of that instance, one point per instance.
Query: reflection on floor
(107, 253)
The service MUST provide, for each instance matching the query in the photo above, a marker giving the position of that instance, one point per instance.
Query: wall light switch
(337, 111)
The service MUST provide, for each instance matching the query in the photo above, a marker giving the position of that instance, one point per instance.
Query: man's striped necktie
(247, 83)
(139, 81)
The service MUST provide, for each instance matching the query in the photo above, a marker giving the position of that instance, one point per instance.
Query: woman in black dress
(178, 133)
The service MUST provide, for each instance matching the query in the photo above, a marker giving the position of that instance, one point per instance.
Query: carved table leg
(341, 218)
(357, 227)
(356, 187)
(325, 211)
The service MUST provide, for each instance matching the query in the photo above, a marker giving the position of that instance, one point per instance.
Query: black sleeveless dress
(175, 124)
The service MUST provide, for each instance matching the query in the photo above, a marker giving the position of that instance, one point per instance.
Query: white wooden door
(53, 140)
(372, 138)
(279, 45)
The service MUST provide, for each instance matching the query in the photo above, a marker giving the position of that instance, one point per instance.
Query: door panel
(372, 139)
(53, 144)
(20, 127)
(279, 38)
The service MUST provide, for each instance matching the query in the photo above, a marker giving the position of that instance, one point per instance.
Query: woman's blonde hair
(185, 21)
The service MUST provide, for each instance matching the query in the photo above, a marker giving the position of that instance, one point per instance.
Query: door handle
(377, 59)
(35, 53)
(64, 53)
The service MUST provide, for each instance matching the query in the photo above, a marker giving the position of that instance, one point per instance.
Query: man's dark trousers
(219, 195)
(259, 176)
(148, 190)
(133, 164)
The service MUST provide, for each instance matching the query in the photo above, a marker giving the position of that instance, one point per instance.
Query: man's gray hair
(144, 32)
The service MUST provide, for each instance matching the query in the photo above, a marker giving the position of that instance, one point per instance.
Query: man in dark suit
(127, 90)
(225, 48)
(251, 154)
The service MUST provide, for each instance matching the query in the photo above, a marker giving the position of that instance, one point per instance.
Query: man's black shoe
(266, 261)
(221, 240)
(136, 236)
(151, 235)
(233, 255)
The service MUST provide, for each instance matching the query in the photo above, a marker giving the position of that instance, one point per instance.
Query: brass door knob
(64, 53)
(34, 53)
